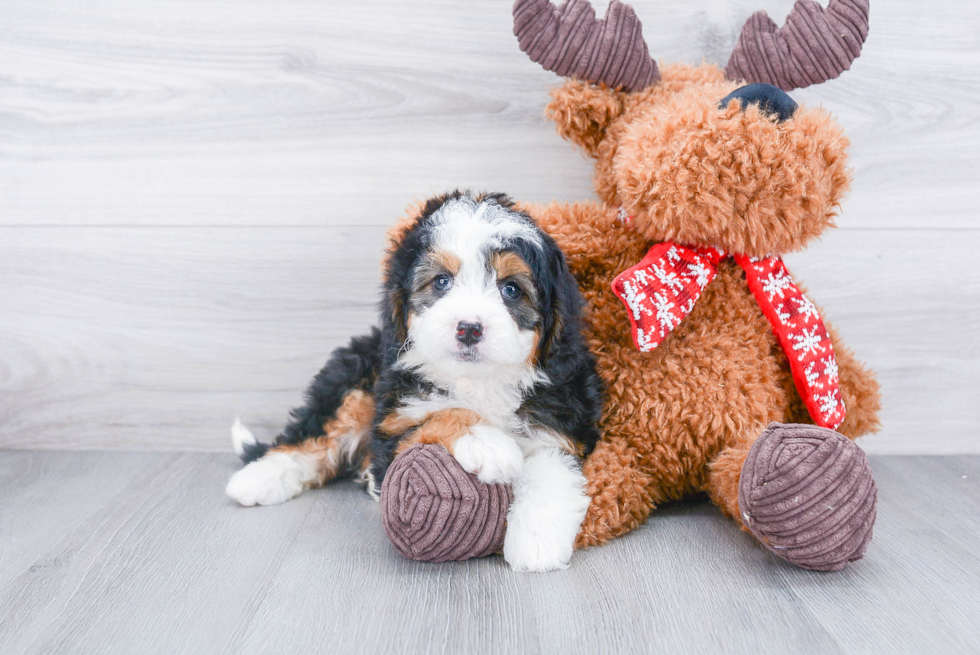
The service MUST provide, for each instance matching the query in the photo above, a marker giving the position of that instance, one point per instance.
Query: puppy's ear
(561, 323)
(396, 267)
(395, 318)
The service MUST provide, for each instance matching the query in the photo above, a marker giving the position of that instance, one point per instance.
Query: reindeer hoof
(808, 495)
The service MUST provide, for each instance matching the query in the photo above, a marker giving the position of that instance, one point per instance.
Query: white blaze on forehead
(469, 229)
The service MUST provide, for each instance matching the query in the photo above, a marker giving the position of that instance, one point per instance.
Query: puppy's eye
(511, 291)
(442, 283)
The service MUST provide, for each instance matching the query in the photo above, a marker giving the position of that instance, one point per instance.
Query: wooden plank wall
(193, 196)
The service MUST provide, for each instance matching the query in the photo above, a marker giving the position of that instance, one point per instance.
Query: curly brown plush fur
(681, 419)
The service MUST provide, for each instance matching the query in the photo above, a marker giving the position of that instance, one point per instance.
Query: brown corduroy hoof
(435, 511)
(808, 495)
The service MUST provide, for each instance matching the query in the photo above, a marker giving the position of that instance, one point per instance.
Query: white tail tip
(240, 436)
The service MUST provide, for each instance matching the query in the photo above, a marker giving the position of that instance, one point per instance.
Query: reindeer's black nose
(771, 99)
(469, 333)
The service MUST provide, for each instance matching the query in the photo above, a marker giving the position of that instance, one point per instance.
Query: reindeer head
(694, 154)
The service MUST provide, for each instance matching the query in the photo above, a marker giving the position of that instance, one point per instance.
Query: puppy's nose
(469, 333)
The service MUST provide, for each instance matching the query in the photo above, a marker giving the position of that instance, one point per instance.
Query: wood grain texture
(165, 563)
(294, 112)
(193, 195)
(907, 302)
(162, 550)
(157, 337)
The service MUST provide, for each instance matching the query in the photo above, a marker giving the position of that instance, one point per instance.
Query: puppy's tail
(245, 444)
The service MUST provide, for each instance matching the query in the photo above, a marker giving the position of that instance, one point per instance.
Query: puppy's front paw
(490, 453)
(549, 505)
(536, 549)
(274, 479)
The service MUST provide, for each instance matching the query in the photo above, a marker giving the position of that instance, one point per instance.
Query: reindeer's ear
(583, 111)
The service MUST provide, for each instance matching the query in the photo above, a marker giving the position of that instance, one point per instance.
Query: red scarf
(662, 289)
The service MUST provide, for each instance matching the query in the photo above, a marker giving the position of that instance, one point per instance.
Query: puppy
(480, 350)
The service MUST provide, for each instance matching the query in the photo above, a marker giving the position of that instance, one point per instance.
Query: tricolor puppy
(480, 350)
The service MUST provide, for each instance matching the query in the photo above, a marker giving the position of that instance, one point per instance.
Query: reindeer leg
(621, 498)
(805, 492)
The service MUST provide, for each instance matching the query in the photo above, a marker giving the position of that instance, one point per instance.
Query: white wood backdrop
(193, 195)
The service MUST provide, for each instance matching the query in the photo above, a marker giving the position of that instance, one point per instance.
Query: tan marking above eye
(431, 266)
(509, 264)
(447, 261)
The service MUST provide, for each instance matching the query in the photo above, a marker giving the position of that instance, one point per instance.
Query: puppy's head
(473, 287)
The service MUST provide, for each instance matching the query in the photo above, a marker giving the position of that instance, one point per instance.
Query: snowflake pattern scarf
(662, 289)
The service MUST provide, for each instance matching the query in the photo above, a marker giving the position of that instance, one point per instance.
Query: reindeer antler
(813, 46)
(568, 40)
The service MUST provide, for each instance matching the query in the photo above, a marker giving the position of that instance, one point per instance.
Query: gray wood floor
(142, 553)
(193, 195)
